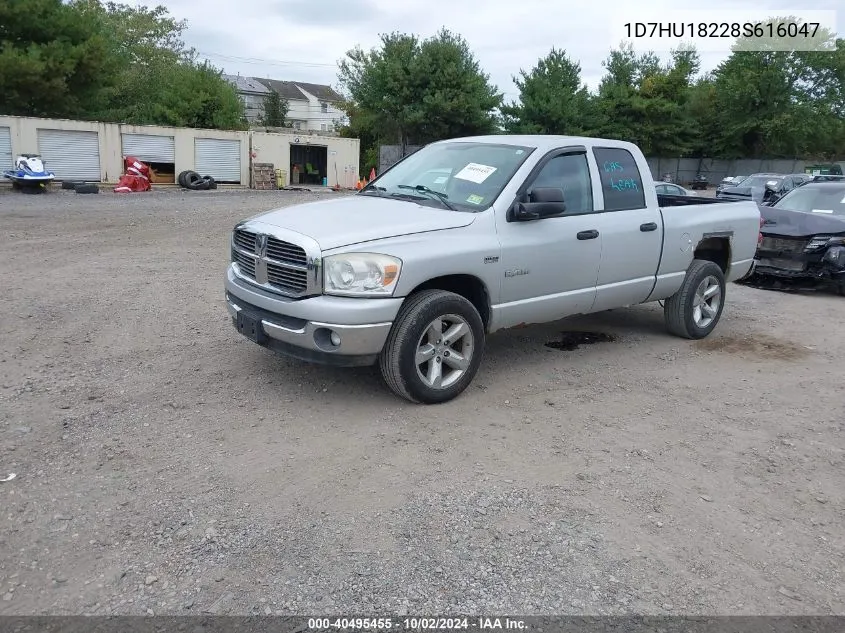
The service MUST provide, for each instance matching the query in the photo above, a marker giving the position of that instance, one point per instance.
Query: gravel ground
(167, 465)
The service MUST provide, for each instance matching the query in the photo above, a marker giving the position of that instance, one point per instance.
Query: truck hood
(354, 219)
(798, 223)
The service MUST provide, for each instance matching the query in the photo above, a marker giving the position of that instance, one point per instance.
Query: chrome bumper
(302, 329)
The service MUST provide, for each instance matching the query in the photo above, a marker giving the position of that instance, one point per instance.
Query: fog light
(836, 256)
(335, 339)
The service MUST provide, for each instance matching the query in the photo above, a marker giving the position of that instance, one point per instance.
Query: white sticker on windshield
(440, 180)
(475, 172)
(772, 182)
(842, 201)
(822, 210)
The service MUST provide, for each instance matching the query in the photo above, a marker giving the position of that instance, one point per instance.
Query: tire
(410, 332)
(189, 179)
(195, 182)
(841, 289)
(212, 184)
(71, 184)
(87, 188)
(680, 309)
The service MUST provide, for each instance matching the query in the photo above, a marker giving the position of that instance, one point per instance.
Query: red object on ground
(135, 178)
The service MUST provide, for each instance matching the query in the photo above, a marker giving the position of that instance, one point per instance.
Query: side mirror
(542, 202)
(771, 187)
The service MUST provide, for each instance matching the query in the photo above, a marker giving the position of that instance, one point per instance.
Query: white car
(668, 189)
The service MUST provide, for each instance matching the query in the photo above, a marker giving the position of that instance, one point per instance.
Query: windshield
(810, 199)
(760, 182)
(463, 176)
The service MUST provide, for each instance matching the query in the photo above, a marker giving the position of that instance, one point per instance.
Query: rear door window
(621, 182)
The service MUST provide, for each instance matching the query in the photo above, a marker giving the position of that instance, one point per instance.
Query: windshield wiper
(379, 191)
(442, 197)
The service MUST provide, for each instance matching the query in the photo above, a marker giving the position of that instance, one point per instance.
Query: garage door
(218, 158)
(71, 154)
(149, 147)
(5, 148)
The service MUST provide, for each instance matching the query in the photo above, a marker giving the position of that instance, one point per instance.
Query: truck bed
(666, 200)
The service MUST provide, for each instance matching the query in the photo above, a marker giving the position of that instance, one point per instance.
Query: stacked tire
(189, 179)
(80, 187)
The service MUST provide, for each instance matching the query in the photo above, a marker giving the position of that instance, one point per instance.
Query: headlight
(836, 256)
(822, 240)
(361, 274)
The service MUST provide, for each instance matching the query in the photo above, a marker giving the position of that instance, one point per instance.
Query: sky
(302, 40)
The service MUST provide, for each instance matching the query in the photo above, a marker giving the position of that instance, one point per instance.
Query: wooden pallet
(263, 176)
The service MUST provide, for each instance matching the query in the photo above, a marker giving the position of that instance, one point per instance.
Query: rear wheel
(696, 308)
(434, 348)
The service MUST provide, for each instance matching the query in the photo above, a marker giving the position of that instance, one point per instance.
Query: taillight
(760, 234)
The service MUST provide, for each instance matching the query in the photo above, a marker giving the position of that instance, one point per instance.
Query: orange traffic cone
(372, 174)
(358, 185)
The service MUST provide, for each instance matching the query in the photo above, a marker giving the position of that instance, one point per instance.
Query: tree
(456, 97)
(645, 102)
(663, 97)
(161, 80)
(414, 92)
(109, 62)
(195, 95)
(552, 99)
(616, 102)
(359, 126)
(771, 102)
(275, 110)
(53, 62)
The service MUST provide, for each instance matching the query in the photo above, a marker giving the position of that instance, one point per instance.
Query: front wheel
(434, 348)
(696, 308)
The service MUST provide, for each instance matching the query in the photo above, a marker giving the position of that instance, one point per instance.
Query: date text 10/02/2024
(620, 184)
(415, 624)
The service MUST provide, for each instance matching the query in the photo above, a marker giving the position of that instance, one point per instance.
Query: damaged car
(803, 238)
(762, 188)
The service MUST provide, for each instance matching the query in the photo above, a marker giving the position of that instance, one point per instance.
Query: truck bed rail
(668, 200)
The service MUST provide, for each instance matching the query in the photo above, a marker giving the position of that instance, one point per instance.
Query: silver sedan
(669, 189)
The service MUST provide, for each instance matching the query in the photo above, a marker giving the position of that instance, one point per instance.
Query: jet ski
(29, 172)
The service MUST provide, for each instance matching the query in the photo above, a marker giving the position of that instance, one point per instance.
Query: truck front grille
(245, 263)
(783, 244)
(286, 252)
(272, 262)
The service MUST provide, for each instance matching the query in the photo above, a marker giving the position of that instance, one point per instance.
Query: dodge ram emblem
(260, 245)
(260, 258)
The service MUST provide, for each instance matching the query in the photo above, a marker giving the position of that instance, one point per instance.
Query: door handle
(588, 235)
(648, 226)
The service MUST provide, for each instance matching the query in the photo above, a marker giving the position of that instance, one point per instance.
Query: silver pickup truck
(472, 235)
